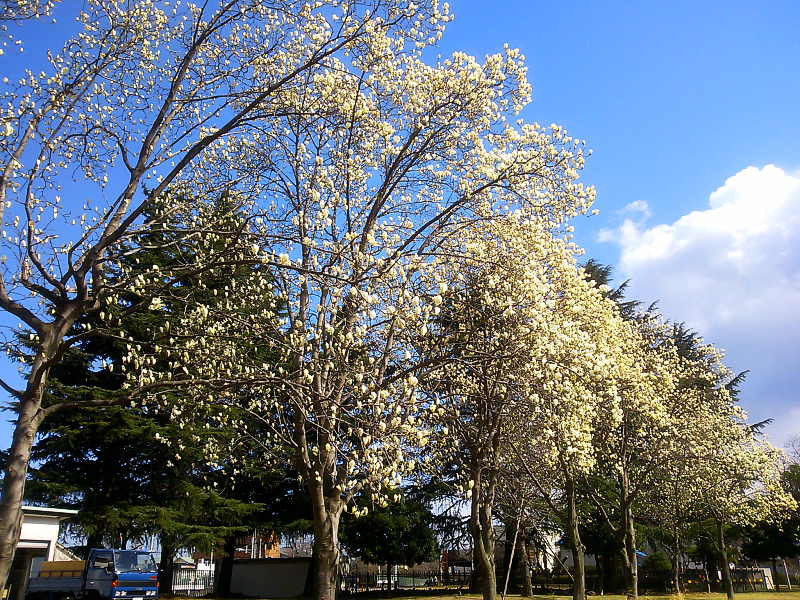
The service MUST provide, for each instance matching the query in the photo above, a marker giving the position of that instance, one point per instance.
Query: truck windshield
(131, 560)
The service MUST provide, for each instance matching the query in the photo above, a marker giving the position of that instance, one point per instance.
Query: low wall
(271, 577)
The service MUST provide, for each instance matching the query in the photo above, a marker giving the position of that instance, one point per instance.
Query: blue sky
(679, 101)
(673, 97)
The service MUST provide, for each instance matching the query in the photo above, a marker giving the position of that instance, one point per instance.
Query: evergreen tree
(135, 471)
(393, 533)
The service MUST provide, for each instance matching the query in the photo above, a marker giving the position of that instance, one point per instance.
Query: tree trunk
(575, 545)
(775, 575)
(476, 577)
(676, 563)
(480, 522)
(166, 564)
(628, 534)
(95, 540)
(483, 539)
(226, 567)
(711, 570)
(511, 562)
(630, 550)
(524, 563)
(13, 491)
(726, 568)
(509, 550)
(327, 512)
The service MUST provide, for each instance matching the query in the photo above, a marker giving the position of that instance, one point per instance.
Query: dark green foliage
(135, 471)
(397, 534)
(601, 275)
(657, 561)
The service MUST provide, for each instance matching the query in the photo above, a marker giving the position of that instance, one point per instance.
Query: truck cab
(122, 574)
(107, 574)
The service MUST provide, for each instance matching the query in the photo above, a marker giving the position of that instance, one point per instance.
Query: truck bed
(55, 584)
(61, 575)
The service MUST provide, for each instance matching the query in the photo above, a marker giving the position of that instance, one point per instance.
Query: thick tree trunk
(575, 545)
(95, 540)
(13, 491)
(483, 539)
(327, 512)
(726, 568)
(775, 575)
(226, 567)
(523, 561)
(476, 577)
(481, 524)
(627, 532)
(165, 566)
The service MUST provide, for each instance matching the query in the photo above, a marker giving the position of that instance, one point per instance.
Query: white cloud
(732, 272)
(639, 206)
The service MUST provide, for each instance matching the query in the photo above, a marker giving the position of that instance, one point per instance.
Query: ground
(794, 595)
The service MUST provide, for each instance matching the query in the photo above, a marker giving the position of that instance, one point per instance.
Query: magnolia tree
(493, 329)
(697, 393)
(15, 12)
(634, 436)
(739, 481)
(376, 162)
(578, 373)
(147, 102)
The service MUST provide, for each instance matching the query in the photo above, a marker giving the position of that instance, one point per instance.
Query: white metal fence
(193, 582)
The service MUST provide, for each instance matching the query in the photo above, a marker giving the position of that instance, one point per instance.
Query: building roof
(44, 511)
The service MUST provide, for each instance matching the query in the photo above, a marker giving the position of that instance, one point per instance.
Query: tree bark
(523, 561)
(95, 540)
(575, 545)
(775, 574)
(711, 570)
(627, 532)
(607, 583)
(483, 537)
(676, 563)
(510, 562)
(327, 512)
(509, 549)
(481, 523)
(16, 472)
(726, 568)
(166, 565)
(630, 550)
(226, 567)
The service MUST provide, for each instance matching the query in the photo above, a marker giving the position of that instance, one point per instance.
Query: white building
(38, 539)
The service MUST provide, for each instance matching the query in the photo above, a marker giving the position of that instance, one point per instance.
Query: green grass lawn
(793, 595)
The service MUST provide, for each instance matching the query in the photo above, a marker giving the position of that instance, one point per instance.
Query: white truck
(107, 574)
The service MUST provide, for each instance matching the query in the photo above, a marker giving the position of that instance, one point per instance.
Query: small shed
(38, 539)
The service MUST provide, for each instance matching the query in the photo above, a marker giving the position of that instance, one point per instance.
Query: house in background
(38, 539)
